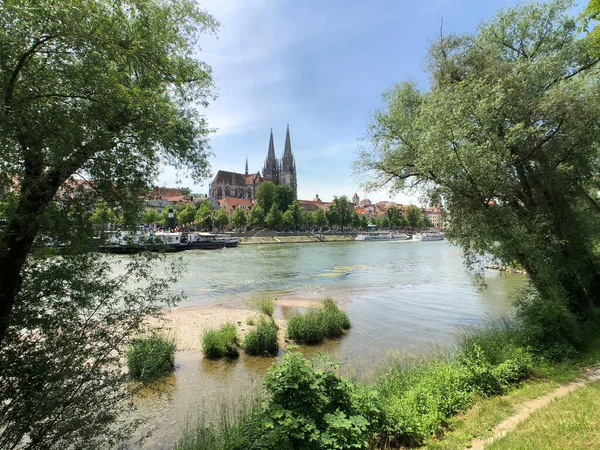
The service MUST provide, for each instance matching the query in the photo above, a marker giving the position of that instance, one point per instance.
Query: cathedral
(279, 171)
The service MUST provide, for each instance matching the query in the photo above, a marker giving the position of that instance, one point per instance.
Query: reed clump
(317, 324)
(263, 339)
(221, 342)
(150, 357)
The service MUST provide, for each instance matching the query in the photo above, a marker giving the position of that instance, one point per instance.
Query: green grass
(571, 422)
(150, 357)
(250, 321)
(263, 305)
(263, 340)
(317, 324)
(221, 342)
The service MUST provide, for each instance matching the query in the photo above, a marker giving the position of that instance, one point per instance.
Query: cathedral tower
(287, 174)
(271, 169)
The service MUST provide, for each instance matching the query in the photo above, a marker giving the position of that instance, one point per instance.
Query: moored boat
(429, 236)
(381, 236)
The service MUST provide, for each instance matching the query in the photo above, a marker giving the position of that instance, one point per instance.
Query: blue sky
(321, 66)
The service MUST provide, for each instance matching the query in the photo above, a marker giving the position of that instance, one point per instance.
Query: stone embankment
(293, 239)
(506, 269)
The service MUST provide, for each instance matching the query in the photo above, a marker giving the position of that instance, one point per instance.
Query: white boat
(381, 236)
(429, 236)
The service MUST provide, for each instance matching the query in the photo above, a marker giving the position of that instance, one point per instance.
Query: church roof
(254, 178)
(224, 176)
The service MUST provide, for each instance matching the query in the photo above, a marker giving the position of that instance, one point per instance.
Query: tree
(592, 13)
(266, 195)
(508, 136)
(257, 217)
(187, 214)
(185, 190)
(204, 213)
(287, 220)
(296, 214)
(150, 216)
(319, 218)
(355, 220)
(274, 218)
(307, 219)
(413, 216)
(238, 218)
(103, 216)
(103, 90)
(165, 220)
(363, 221)
(220, 219)
(395, 216)
(385, 222)
(284, 196)
(342, 211)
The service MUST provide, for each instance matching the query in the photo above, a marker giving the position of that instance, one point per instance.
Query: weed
(221, 342)
(150, 357)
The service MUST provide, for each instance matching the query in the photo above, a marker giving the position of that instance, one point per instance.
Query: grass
(317, 324)
(250, 321)
(263, 340)
(221, 342)
(263, 305)
(150, 358)
(570, 422)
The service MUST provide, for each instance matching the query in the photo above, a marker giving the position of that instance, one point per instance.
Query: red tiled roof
(234, 202)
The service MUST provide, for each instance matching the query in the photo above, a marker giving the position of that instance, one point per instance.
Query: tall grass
(221, 342)
(316, 324)
(150, 357)
(263, 340)
(263, 305)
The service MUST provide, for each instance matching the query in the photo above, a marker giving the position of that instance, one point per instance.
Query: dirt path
(525, 410)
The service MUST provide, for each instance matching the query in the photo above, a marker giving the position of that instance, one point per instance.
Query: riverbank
(294, 239)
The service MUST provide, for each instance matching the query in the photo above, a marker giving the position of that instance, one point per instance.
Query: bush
(150, 358)
(263, 339)
(311, 407)
(315, 325)
(548, 327)
(221, 342)
(250, 321)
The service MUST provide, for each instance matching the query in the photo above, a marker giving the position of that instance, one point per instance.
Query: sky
(320, 66)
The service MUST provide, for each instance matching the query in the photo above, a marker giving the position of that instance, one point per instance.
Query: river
(398, 295)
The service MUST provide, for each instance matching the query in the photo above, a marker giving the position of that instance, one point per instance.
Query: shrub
(263, 339)
(311, 407)
(150, 358)
(250, 321)
(315, 325)
(548, 327)
(497, 339)
(513, 371)
(221, 342)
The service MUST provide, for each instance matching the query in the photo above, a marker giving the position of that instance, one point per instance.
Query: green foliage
(274, 218)
(340, 212)
(284, 196)
(319, 217)
(548, 326)
(395, 216)
(150, 358)
(221, 342)
(266, 195)
(296, 213)
(238, 218)
(250, 321)
(287, 220)
(150, 216)
(316, 324)
(363, 221)
(186, 214)
(493, 137)
(257, 216)
(592, 14)
(220, 219)
(311, 407)
(264, 305)
(385, 222)
(204, 213)
(263, 340)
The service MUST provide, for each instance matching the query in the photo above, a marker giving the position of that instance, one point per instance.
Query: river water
(399, 295)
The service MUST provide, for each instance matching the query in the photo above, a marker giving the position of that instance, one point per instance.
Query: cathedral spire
(246, 165)
(271, 154)
(287, 151)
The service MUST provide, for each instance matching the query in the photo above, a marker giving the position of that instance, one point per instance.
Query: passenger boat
(381, 236)
(209, 241)
(429, 236)
(125, 242)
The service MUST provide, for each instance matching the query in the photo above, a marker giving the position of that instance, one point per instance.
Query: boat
(209, 241)
(381, 236)
(125, 242)
(429, 236)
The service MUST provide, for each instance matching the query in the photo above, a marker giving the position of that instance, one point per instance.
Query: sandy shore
(188, 324)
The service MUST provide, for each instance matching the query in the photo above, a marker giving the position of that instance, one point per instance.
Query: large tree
(341, 211)
(508, 136)
(266, 195)
(103, 89)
